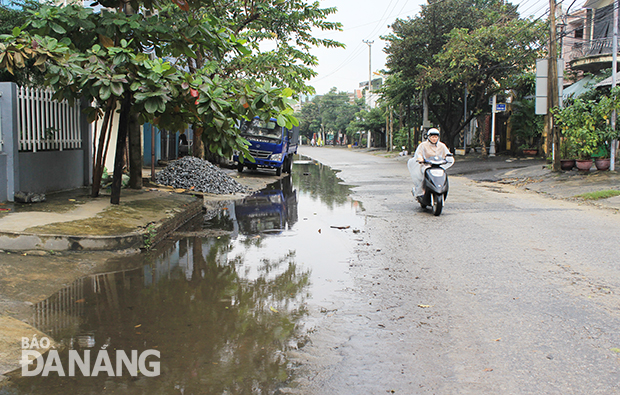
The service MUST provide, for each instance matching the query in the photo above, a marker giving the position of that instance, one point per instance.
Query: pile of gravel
(200, 174)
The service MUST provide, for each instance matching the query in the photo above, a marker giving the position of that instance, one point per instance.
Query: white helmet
(433, 131)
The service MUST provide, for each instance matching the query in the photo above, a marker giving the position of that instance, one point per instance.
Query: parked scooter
(435, 183)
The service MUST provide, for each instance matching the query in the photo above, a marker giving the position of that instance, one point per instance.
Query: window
(579, 32)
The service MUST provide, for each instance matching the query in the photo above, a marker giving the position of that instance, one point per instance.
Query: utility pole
(391, 129)
(552, 88)
(614, 67)
(369, 43)
(368, 102)
(492, 143)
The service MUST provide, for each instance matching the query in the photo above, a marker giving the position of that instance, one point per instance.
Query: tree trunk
(199, 148)
(123, 126)
(482, 127)
(135, 153)
(101, 148)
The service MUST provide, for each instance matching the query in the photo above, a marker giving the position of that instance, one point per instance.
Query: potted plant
(567, 154)
(601, 156)
(604, 109)
(580, 123)
(527, 149)
(586, 125)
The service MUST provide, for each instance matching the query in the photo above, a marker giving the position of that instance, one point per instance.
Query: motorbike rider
(429, 148)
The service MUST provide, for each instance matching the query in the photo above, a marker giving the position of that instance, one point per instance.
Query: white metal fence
(45, 124)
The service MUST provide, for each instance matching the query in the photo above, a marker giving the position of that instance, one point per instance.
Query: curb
(21, 241)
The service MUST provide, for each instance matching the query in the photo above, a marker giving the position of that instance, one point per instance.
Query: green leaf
(287, 92)
(151, 106)
(105, 92)
(281, 120)
(57, 28)
(117, 88)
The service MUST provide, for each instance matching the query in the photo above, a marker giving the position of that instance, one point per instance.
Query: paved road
(507, 292)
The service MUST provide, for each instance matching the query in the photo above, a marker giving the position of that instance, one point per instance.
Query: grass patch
(599, 194)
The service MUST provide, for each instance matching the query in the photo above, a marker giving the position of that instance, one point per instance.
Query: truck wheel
(279, 170)
(240, 167)
(288, 164)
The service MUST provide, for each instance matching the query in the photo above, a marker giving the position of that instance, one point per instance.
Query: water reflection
(216, 331)
(320, 181)
(270, 210)
(222, 311)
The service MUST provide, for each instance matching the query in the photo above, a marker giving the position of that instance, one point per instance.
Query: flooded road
(214, 309)
(292, 291)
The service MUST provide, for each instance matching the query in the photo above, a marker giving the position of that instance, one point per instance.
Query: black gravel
(200, 174)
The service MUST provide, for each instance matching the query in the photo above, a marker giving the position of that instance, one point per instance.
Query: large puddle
(213, 310)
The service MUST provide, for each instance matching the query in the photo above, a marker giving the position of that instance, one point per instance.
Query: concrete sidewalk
(74, 221)
(570, 185)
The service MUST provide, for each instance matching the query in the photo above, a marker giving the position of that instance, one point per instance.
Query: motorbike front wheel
(437, 204)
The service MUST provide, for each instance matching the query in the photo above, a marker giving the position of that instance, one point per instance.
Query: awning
(584, 85)
(596, 4)
(607, 81)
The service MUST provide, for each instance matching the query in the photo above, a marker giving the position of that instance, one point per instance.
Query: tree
(402, 94)
(309, 119)
(372, 120)
(458, 44)
(285, 27)
(106, 63)
(329, 113)
(16, 13)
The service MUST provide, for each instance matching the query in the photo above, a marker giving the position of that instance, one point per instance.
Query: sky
(368, 20)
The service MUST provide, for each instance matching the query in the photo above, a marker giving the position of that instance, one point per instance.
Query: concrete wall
(49, 171)
(3, 183)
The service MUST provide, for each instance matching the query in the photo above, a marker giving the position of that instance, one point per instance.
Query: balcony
(592, 56)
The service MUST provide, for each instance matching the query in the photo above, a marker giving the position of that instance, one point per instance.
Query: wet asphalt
(511, 290)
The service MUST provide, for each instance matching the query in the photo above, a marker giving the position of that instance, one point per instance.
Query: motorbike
(435, 183)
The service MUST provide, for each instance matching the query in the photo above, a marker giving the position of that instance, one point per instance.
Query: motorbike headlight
(436, 172)
(276, 157)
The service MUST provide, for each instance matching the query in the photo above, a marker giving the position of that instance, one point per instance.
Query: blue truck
(271, 146)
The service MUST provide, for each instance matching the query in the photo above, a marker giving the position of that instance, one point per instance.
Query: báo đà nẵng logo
(105, 363)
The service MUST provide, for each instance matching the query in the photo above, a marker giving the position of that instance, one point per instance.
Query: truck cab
(271, 146)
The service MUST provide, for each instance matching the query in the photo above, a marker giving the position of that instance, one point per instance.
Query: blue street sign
(500, 107)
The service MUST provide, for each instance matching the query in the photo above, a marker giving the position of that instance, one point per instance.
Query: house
(592, 44)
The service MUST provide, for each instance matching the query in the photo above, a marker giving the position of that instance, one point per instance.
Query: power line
(358, 50)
